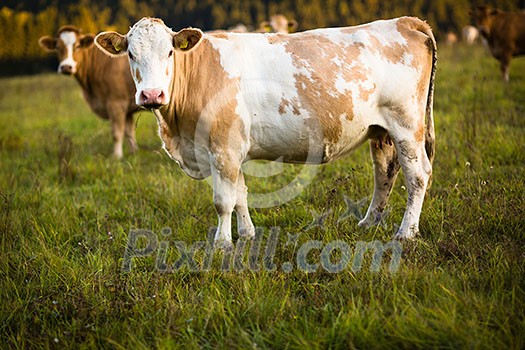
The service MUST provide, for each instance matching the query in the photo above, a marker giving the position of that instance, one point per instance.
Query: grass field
(67, 210)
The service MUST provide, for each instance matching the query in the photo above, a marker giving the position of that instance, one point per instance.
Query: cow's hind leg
(386, 168)
(244, 222)
(417, 170)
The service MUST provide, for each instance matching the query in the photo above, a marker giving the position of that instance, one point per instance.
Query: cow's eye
(170, 54)
(130, 56)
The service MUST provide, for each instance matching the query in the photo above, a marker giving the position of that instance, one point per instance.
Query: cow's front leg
(224, 177)
(504, 66)
(386, 168)
(244, 222)
(117, 117)
(130, 133)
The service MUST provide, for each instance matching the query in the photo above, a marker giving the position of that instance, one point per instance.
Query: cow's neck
(82, 74)
(199, 83)
(182, 101)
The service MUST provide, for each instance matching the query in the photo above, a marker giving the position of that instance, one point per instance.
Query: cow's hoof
(402, 235)
(247, 232)
(224, 245)
(367, 222)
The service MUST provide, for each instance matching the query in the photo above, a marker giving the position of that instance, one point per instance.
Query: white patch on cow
(150, 46)
(69, 39)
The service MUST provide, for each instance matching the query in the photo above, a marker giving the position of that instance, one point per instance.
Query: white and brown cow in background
(278, 24)
(224, 99)
(469, 35)
(106, 83)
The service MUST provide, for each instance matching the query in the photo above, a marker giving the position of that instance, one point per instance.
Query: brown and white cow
(223, 99)
(504, 33)
(106, 83)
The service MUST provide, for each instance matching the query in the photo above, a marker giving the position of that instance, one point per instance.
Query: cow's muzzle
(66, 69)
(152, 98)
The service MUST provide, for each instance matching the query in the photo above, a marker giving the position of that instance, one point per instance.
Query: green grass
(460, 284)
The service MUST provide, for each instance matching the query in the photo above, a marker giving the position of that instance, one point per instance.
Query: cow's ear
(112, 43)
(86, 40)
(292, 25)
(187, 39)
(48, 43)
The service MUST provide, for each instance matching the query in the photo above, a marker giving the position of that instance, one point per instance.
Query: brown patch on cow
(394, 52)
(285, 103)
(318, 91)
(365, 93)
(419, 135)
(138, 77)
(61, 50)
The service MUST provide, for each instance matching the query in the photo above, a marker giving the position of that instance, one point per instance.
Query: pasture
(67, 210)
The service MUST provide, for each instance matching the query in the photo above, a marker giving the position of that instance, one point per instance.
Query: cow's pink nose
(152, 97)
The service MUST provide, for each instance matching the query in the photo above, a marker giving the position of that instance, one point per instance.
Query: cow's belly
(299, 139)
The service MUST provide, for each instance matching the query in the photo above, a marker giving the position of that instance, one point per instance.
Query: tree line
(23, 22)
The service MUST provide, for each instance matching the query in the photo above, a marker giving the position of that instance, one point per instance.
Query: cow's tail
(430, 145)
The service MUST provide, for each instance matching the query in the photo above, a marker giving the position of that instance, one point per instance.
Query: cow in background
(451, 38)
(504, 33)
(469, 35)
(106, 82)
(278, 24)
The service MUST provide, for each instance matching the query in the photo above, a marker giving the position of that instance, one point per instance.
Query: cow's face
(67, 44)
(151, 47)
(278, 24)
(484, 16)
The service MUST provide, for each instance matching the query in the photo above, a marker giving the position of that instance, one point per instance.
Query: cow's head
(278, 24)
(483, 16)
(151, 47)
(67, 44)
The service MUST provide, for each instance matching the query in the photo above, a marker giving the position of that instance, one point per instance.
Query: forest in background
(23, 22)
